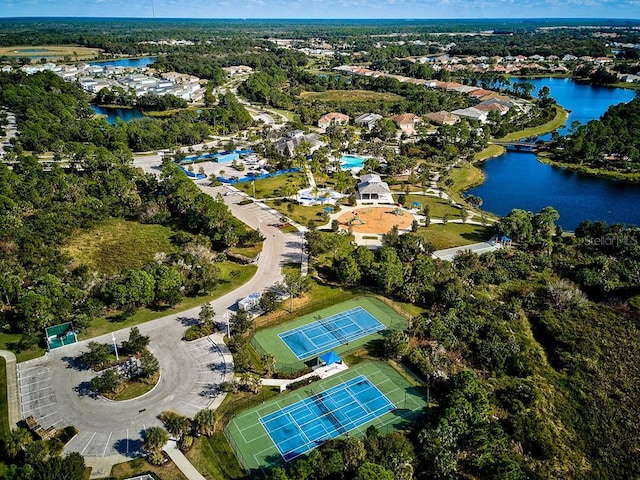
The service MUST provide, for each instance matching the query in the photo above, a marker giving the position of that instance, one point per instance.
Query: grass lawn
(251, 252)
(490, 151)
(464, 176)
(273, 186)
(135, 388)
(6, 339)
(4, 402)
(255, 448)
(437, 206)
(214, 458)
(454, 234)
(301, 213)
(555, 123)
(229, 280)
(268, 340)
(118, 244)
(137, 466)
(50, 51)
(350, 96)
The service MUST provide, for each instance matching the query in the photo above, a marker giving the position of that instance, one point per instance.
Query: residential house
(472, 113)
(494, 104)
(371, 187)
(367, 120)
(407, 122)
(442, 118)
(333, 118)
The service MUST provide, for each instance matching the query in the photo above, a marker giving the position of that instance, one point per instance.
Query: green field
(273, 186)
(350, 96)
(437, 206)
(255, 449)
(301, 214)
(558, 121)
(268, 340)
(118, 244)
(454, 234)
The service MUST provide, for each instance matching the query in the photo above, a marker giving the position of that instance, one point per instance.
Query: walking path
(13, 399)
(181, 461)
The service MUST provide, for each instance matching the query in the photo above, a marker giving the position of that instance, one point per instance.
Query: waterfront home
(472, 113)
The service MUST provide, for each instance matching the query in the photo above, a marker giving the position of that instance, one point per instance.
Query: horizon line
(402, 18)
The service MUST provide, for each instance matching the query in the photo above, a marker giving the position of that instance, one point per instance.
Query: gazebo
(329, 358)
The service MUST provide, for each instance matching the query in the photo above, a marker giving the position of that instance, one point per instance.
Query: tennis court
(300, 427)
(326, 333)
(280, 429)
(312, 334)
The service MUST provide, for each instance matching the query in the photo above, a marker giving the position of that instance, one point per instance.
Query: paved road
(477, 248)
(13, 415)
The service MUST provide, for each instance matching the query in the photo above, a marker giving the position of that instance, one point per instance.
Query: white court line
(107, 444)
(85, 447)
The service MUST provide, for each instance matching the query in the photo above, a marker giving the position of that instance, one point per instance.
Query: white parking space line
(47, 415)
(39, 398)
(85, 447)
(48, 387)
(191, 404)
(54, 424)
(27, 385)
(106, 445)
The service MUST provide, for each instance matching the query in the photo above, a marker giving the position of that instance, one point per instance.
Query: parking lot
(54, 390)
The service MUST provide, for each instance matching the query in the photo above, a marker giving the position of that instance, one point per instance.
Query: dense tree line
(42, 208)
(610, 143)
(54, 115)
(527, 350)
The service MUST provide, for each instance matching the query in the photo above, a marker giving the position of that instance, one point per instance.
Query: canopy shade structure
(330, 358)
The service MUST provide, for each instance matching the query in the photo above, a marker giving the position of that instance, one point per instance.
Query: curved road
(53, 388)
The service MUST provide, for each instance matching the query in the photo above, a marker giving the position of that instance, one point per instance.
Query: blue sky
(627, 9)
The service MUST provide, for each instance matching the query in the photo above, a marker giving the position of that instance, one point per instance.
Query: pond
(124, 114)
(126, 62)
(518, 180)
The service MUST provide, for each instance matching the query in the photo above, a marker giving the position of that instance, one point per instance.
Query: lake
(518, 180)
(126, 62)
(125, 114)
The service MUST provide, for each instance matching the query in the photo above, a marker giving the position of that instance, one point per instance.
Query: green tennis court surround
(343, 328)
(372, 393)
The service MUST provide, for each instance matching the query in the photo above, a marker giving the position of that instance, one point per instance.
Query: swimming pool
(351, 161)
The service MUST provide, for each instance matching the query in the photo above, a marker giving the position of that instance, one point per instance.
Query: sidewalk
(12, 388)
(181, 461)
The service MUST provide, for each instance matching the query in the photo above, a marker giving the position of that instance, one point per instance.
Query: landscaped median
(256, 449)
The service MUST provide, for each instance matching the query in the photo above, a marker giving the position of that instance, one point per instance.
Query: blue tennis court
(327, 333)
(301, 427)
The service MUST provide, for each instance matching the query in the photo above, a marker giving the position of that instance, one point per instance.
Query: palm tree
(16, 440)
(268, 363)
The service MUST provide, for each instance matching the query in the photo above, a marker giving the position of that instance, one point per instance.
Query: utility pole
(115, 346)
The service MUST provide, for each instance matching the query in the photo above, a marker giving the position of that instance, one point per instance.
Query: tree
(108, 382)
(268, 361)
(154, 438)
(390, 274)
(396, 344)
(149, 365)
(372, 471)
(176, 424)
(136, 342)
(268, 300)
(240, 322)
(70, 467)
(205, 422)
(348, 272)
(16, 440)
(97, 356)
(206, 315)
